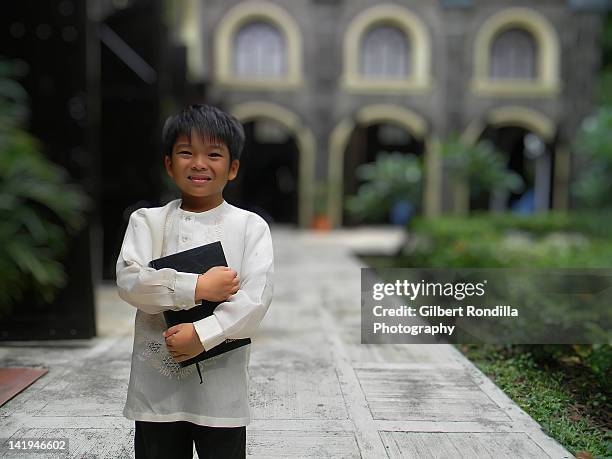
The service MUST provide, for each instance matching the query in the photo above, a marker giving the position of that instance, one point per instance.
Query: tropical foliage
(593, 187)
(393, 178)
(481, 165)
(39, 208)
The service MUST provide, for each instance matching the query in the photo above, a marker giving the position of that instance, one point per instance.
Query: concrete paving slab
(316, 391)
(291, 444)
(460, 445)
(285, 390)
(426, 394)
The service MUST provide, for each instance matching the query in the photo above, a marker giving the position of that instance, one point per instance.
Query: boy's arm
(150, 290)
(240, 315)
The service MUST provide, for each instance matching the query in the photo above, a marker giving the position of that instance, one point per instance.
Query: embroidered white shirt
(159, 388)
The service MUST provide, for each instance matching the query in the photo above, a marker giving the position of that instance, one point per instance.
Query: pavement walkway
(315, 390)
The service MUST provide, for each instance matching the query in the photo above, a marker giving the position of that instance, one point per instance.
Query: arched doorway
(363, 146)
(348, 143)
(302, 142)
(528, 155)
(267, 182)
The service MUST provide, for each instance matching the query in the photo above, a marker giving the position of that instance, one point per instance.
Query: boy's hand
(183, 342)
(217, 284)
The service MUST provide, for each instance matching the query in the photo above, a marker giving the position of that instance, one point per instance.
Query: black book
(197, 260)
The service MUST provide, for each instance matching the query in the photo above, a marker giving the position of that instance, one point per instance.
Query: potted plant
(320, 220)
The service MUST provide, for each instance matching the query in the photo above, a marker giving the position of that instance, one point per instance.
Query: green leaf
(39, 207)
(391, 178)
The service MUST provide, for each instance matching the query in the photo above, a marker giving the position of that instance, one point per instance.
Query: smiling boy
(171, 409)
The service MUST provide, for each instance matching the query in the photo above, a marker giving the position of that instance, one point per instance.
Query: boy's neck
(193, 204)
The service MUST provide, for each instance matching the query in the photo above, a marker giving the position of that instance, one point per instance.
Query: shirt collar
(211, 213)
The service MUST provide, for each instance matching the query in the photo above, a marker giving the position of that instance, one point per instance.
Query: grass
(567, 400)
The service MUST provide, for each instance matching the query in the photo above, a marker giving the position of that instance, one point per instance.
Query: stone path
(315, 390)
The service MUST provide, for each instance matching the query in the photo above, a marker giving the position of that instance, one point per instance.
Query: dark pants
(153, 440)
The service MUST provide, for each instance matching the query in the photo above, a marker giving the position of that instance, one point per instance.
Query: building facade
(324, 85)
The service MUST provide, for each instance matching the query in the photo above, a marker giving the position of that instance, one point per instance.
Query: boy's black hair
(210, 122)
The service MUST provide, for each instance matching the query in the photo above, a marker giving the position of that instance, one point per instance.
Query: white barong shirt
(160, 390)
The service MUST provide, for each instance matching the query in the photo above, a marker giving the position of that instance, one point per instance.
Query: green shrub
(554, 240)
(593, 187)
(481, 165)
(39, 209)
(392, 178)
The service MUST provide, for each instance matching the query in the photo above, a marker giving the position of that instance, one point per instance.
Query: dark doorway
(531, 158)
(364, 144)
(267, 182)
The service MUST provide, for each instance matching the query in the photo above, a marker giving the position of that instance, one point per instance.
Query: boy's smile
(200, 168)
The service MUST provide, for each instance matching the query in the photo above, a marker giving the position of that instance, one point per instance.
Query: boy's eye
(214, 153)
(184, 152)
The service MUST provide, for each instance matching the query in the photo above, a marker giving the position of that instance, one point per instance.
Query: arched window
(259, 50)
(513, 55)
(385, 53)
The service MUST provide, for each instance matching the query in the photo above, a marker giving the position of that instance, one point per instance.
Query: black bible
(197, 260)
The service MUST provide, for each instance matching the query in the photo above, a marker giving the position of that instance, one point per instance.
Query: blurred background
(480, 130)
(435, 116)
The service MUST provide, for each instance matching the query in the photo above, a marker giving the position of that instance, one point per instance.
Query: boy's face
(201, 168)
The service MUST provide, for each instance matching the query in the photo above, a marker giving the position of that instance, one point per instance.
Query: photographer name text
(414, 290)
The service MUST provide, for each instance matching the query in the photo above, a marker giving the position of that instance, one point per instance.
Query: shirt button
(187, 218)
(185, 238)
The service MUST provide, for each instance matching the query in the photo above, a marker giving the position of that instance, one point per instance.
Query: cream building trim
(548, 83)
(524, 117)
(338, 141)
(375, 114)
(190, 35)
(473, 131)
(416, 32)
(253, 111)
(229, 25)
(393, 114)
(511, 115)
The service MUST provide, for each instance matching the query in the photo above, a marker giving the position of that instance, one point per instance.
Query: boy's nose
(199, 165)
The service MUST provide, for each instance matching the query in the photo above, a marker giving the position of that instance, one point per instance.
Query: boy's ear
(168, 165)
(233, 171)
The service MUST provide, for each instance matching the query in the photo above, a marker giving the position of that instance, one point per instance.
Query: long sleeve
(240, 315)
(150, 290)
